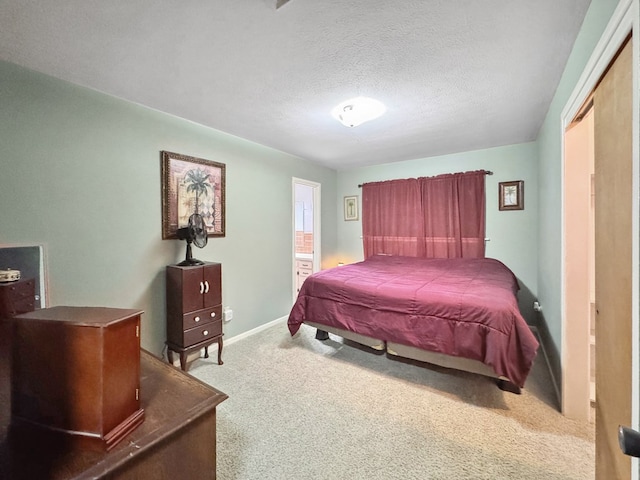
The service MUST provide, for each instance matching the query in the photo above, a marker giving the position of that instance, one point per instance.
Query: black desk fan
(195, 232)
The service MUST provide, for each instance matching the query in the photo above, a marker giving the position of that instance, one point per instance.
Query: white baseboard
(255, 330)
(214, 346)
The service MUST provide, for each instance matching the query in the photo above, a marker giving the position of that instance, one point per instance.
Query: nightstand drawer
(203, 332)
(200, 317)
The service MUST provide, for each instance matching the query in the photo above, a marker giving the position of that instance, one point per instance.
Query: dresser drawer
(307, 264)
(23, 305)
(202, 333)
(200, 317)
(17, 297)
(304, 274)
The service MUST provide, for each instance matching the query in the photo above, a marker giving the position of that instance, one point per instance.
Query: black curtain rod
(487, 172)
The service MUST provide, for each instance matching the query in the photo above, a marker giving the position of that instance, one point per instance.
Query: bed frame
(413, 353)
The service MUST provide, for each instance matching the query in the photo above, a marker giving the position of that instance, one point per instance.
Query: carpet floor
(299, 409)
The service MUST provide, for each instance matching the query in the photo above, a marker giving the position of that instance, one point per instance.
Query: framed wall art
(351, 208)
(192, 185)
(511, 195)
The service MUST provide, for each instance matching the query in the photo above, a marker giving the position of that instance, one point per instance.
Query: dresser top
(89, 316)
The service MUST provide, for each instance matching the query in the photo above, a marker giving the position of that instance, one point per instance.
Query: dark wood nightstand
(194, 310)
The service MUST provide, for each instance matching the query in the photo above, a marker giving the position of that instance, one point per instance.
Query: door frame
(623, 21)
(579, 258)
(317, 254)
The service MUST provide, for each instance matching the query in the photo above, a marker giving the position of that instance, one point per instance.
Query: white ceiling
(455, 75)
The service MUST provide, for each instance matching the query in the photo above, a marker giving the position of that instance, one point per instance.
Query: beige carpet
(303, 409)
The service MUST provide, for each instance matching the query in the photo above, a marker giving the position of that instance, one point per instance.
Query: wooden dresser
(17, 297)
(176, 440)
(194, 309)
(304, 268)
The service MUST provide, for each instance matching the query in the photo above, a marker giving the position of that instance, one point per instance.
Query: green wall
(512, 234)
(550, 172)
(80, 174)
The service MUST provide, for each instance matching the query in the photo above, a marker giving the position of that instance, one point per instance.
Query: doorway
(306, 231)
(614, 218)
(578, 392)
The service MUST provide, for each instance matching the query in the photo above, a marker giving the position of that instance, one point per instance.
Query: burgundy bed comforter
(461, 307)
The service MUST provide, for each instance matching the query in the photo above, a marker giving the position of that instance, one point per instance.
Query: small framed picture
(351, 208)
(511, 195)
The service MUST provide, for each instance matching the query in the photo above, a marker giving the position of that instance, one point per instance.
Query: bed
(457, 313)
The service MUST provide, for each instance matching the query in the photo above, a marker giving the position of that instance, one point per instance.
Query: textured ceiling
(455, 75)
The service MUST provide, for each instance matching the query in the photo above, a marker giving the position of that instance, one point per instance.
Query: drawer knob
(197, 319)
(213, 314)
(205, 333)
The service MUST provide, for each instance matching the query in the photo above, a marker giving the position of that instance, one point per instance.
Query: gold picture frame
(351, 208)
(511, 195)
(192, 185)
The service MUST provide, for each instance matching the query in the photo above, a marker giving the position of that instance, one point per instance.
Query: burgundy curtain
(435, 217)
(392, 218)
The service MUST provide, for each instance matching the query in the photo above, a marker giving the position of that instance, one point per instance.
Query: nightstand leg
(170, 356)
(206, 351)
(220, 351)
(183, 361)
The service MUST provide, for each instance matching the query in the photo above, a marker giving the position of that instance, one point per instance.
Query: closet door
(613, 222)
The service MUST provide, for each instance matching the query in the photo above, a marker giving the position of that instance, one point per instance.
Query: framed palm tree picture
(192, 185)
(511, 195)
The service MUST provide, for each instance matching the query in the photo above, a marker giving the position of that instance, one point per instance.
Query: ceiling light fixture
(356, 111)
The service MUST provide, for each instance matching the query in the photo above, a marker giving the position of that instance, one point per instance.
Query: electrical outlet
(227, 314)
